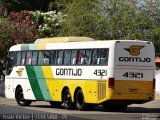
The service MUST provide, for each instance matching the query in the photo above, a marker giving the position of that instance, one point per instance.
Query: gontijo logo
(134, 49)
(20, 71)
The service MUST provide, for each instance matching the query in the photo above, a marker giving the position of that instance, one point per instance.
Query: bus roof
(63, 39)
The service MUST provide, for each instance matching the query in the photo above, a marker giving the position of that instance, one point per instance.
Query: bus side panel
(9, 92)
(18, 77)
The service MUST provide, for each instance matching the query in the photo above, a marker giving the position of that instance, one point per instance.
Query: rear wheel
(79, 100)
(20, 98)
(67, 100)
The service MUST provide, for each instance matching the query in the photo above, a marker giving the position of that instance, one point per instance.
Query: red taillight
(111, 83)
(154, 83)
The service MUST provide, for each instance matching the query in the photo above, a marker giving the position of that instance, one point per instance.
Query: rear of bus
(133, 71)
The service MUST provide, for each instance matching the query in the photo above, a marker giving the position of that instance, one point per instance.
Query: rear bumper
(129, 98)
(135, 96)
(124, 102)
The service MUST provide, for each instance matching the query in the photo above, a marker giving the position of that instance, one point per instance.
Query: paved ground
(37, 110)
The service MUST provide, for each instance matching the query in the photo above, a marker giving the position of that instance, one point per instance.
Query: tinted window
(53, 57)
(99, 56)
(87, 58)
(40, 58)
(28, 57)
(104, 56)
(80, 56)
(34, 57)
(96, 54)
(12, 58)
(74, 57)
(18, 58)
(67, 57)
(46, 57)
(23, 58)
(60, 57)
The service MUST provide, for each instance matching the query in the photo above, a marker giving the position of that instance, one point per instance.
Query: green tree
(59, 5)
(131, 19)
(82, 18)
(152, 10)
(123, 20)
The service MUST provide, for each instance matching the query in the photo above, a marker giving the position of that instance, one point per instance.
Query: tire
(79, 101)
(67, 100)
(55, 104)
(20, 98)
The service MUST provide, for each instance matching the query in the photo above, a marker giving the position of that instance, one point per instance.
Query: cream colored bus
(80, 72)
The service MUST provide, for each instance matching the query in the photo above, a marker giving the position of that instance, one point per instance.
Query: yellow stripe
(41, 46)
(51, 83)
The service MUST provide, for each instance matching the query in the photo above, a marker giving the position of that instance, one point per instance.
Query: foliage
(49, 23)
(24, 27)
(6, 30)
(82, 19)
(123, 20)
(100, 19)
(59, 5)
(152, 10)
(16, 29)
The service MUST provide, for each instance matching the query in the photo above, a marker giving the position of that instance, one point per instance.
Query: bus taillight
(111, 83)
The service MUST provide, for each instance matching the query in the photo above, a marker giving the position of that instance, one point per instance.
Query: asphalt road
(9, 110)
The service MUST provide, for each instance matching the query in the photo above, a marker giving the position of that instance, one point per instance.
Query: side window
(67, 57)
(12, 59)
(28, 57)
(74, 57)
(47, 55)
(40, 58)
(104, 56)
(80, 57)
(18, 58)
(100, 56)
(96, 54)
(53, 57)
(60, 57)
(34, 57)
(87, 58)
(23, 58)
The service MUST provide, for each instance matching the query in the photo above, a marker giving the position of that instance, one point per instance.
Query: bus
(79, 72)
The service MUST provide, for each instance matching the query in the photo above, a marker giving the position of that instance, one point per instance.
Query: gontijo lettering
(134, 50)
(69, 71)
(134, 59)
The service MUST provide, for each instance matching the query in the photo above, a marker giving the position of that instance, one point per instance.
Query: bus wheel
(20, 98)
(79, 101)
(67, 100)
(55, 104)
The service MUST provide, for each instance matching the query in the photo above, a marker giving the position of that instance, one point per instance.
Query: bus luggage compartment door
(139, 81)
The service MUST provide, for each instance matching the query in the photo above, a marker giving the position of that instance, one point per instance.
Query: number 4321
(133, 75)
